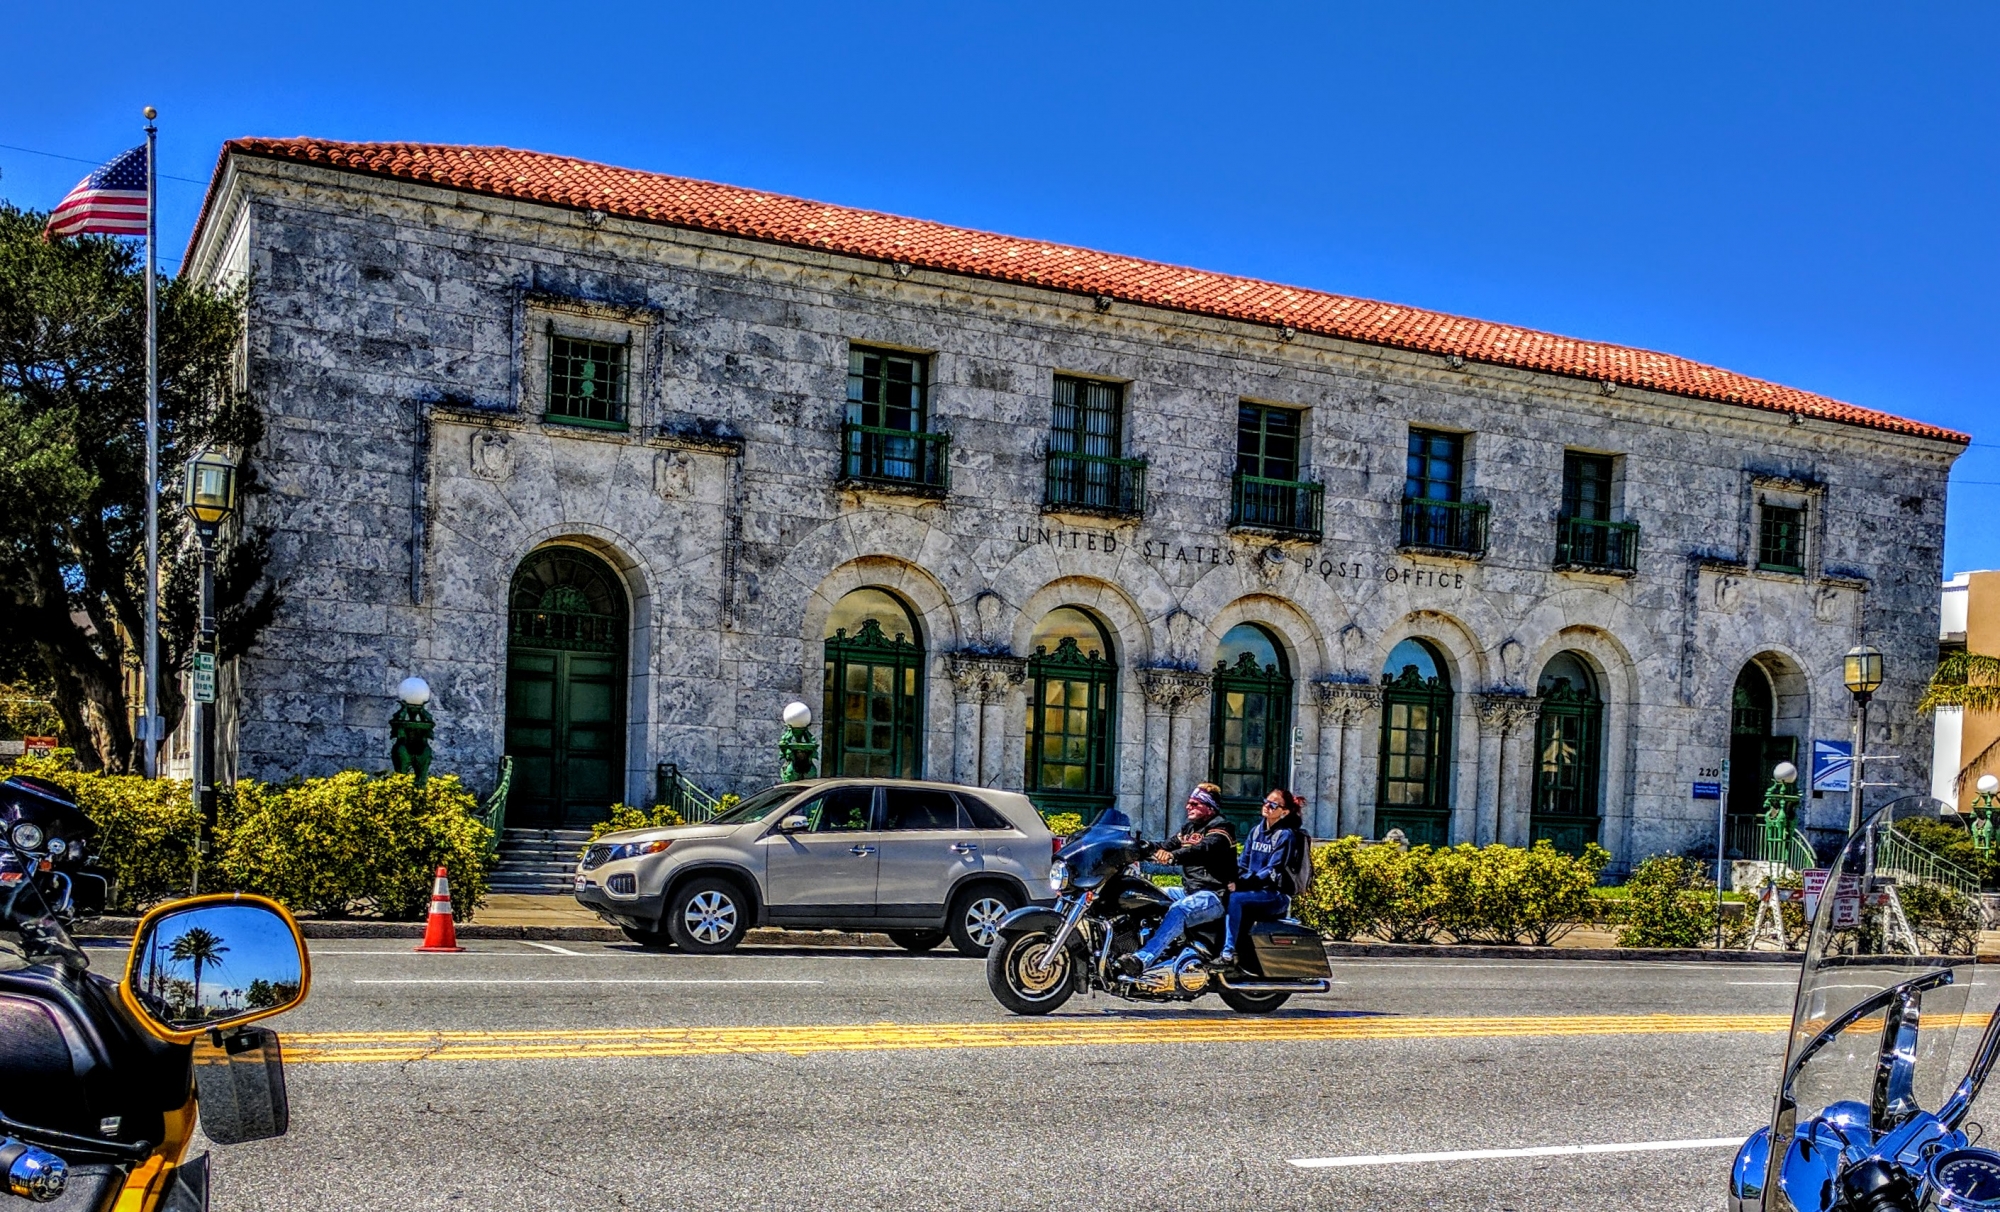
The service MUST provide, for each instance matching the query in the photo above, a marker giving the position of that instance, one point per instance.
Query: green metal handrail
(1591, 543)
(877, 454)
(1099, 483)
(1294, 507)
(493, 813)
(672, 788)
(1911, 863)
(1456, 526)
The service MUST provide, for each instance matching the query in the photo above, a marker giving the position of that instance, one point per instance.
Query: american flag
(110, 201)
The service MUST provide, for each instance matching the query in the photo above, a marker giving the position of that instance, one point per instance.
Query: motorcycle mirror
(214, 962)
(793, 823)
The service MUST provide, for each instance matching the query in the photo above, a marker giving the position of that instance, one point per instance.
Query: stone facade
(397, 338)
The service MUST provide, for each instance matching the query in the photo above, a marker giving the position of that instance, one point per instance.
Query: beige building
(1966, 745)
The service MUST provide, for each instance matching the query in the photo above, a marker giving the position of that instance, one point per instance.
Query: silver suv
(918, 861)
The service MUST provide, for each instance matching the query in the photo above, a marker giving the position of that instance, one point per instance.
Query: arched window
(874, 688)
(566, 635)
(1072, 697)
(1569, 755)
(1250, 720)
(1414, 790)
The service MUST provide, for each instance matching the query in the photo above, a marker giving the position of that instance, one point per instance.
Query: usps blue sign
(1708, 791)
(1833, 766)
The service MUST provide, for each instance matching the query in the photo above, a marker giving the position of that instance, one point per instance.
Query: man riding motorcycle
(1206, 855)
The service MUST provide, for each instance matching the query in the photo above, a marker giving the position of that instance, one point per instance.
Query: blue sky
(1802, 192)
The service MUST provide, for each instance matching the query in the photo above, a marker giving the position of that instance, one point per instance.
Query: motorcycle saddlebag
(1287, 951)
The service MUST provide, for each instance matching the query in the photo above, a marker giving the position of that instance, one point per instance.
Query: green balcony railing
(1458, 527)
(1599, 546)
(1290, 507)
(895, 458)
(1095, 484)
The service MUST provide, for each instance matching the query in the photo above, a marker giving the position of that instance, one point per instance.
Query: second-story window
(1781, 537)
(1435, 515)
(885, 439)
(587, 381)
(1270, 491)
(1586, 535)
(1087, 470)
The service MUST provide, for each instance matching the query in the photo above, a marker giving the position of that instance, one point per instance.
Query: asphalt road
(584, 1076)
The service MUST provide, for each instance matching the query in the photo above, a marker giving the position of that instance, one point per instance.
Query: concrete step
(550, 868)
(578, 836)
(503, 881)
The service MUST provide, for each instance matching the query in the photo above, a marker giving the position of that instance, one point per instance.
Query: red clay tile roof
(734, 211)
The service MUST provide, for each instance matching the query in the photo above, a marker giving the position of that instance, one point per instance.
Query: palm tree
(1969, 681)
(199, 946)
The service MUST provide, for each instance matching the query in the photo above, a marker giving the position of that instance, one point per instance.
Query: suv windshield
(757, 805)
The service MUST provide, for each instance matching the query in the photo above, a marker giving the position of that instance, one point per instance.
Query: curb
(1443, 951)
(125, 927)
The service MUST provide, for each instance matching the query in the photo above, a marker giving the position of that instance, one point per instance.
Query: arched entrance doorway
(1569, 756)
(1250, 721)
(1753, 751)
(1072, 693)
(874, 688)
(566, 634)
(1414, 791)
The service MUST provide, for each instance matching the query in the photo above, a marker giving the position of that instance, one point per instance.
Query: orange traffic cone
(439, 933)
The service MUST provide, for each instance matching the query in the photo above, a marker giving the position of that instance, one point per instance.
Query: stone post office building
(622, 463)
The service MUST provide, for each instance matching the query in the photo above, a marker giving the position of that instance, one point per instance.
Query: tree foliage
(1967, 680)
(72, 470)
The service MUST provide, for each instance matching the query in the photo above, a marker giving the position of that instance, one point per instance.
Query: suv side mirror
(212, 963)
(793, 823)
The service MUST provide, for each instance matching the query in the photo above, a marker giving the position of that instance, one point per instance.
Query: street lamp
(1861, 671)
(1779, 801)
(1982, 804)
(797, 749)
(209, 498)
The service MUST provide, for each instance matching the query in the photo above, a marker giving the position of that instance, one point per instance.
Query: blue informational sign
(1708, 791)
(1833, 766)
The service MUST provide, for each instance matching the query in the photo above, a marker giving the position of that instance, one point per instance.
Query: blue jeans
(1253, 907)
(1193, 909)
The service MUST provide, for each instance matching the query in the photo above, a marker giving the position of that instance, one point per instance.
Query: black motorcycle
(46, 838)
(1106, 907)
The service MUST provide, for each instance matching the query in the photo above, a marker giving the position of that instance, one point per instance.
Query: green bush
(1503, 894)
(355, 843)
(1669, 903)
(1383, 891)
(1065, 824)
(625, 816)
(1945, 920)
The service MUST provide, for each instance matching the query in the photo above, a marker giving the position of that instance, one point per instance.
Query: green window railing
(1601, 546)
(1290, 507)
(898, 458)
(1458, 527)
(1095, 484)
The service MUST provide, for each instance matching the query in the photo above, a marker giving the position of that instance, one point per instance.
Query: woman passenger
(1262, 891)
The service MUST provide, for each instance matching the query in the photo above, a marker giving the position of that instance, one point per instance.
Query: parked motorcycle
(1894, 1033)
(1045, 955)
(48, 839)
(102, 1081)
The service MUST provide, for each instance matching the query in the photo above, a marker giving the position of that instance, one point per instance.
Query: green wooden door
(565, 690)
(1414, 793)
(1569, 748)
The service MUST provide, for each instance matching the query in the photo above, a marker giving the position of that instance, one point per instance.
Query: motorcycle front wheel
(1011, 973)
(1245, 1002)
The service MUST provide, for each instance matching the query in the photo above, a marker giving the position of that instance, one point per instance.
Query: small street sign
(38, 745)
(1708, 791)
(202, 678)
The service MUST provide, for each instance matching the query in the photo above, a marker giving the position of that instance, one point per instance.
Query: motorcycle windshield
(1891, 1004)
(1100, 849)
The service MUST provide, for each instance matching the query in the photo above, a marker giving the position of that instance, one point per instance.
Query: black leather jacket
(1206, 855)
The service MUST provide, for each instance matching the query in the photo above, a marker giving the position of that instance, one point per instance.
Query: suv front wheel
(976, 914)
(708, 916)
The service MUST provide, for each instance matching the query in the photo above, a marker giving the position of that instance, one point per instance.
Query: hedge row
(1466, 893)
(352, 844)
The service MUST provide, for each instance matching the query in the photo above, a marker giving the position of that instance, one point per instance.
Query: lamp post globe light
(797, 750)
(1982, 808)
(410, 729)
(209, 498)
(1779, 802)
(1861, 672)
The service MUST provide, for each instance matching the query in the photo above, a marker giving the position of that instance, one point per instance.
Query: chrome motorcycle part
(1058, 876)
(1257, 986)
(33, 1174)
(1040, 964)
(1966, 1180)
(27, 836)
(1190, 975)
(57, 847)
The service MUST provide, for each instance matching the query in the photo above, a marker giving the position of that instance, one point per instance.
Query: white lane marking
(549, 947)
(1646, 1146)
(592, 981)
(1786, 984)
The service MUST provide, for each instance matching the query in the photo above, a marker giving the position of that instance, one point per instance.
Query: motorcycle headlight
(26, 836)
(1058, 876)
(58, 847)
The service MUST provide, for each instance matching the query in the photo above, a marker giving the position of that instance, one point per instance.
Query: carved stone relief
(492, 456)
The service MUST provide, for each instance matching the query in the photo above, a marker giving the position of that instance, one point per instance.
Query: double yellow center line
(618, 1043)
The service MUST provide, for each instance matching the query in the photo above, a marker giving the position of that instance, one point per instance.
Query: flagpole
(150, 741)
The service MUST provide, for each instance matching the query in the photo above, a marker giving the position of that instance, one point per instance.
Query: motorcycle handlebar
(33, 1174)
